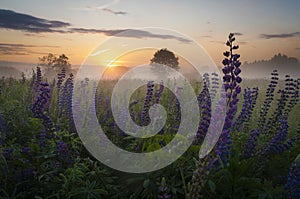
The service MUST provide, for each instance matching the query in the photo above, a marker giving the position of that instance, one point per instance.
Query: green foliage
(35, 164)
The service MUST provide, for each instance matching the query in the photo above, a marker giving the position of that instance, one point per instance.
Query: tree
(165, 57)
(55, 62)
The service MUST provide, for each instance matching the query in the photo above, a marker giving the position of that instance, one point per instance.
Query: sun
(113, 63)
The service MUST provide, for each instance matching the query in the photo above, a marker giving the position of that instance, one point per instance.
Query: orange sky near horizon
(79, 46)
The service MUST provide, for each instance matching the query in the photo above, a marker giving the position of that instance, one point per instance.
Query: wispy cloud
(18, 21)
(20, 49)
(283, 35)
(297, 48)
(33, 25)
(101, 7)
(130, 33)
(206, 36)
(114, 12)
(238, 33)
(145, 34)
(105, 8)
(97, 31)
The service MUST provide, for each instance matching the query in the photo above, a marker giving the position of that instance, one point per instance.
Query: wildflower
(163, 190)
(251, 143)
(204, 101)
(292, 186)
(25, 150)
(277, 144)
(158, 93)
(8, 154)
(269, 98)
(62, 150)
(145, 116)
(70, 87)
(41, 105)
(231, 79)
(250, 97)
(214, 85)
(61, 76)
(2, 128)
(200, 176)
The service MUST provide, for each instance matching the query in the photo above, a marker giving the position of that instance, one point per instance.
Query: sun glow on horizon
(113, 63)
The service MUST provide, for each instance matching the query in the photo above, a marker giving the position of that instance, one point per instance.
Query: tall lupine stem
(41, 105)
(158, 93)
(294, 95)
(269, 98)
(278, 144)
(231, 80)
(204, 101)
(176, 111)
(242, 121)
(2, 128)
(222, 149)
(60, 78)
(214, 85)
(70, 87)
(282, 103)
(145, 116)
(163, 192)
(131, 105)
(38, 76)
(251, 144)
(200, 175)
(292, 186)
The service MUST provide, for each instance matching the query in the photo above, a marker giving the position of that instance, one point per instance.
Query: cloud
(20, 49)
(130, 33)
(18, 21)
(297, 48)
(97, 31)
(238, 33)
(145, 34)
(114, 12)
(103, 6)
(33, 25)
(206, 36)
(283, 35)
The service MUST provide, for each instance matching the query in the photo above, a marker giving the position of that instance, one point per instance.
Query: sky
(30, 29)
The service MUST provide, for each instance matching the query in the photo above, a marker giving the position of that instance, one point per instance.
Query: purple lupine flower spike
(2, 128)
(279, 142)
(41, 106)
(250, 145)
(163, 190)
(267, 102)
(62, 150)
(204, 101)
(292, 186)
(145, 117)
(231, 80)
